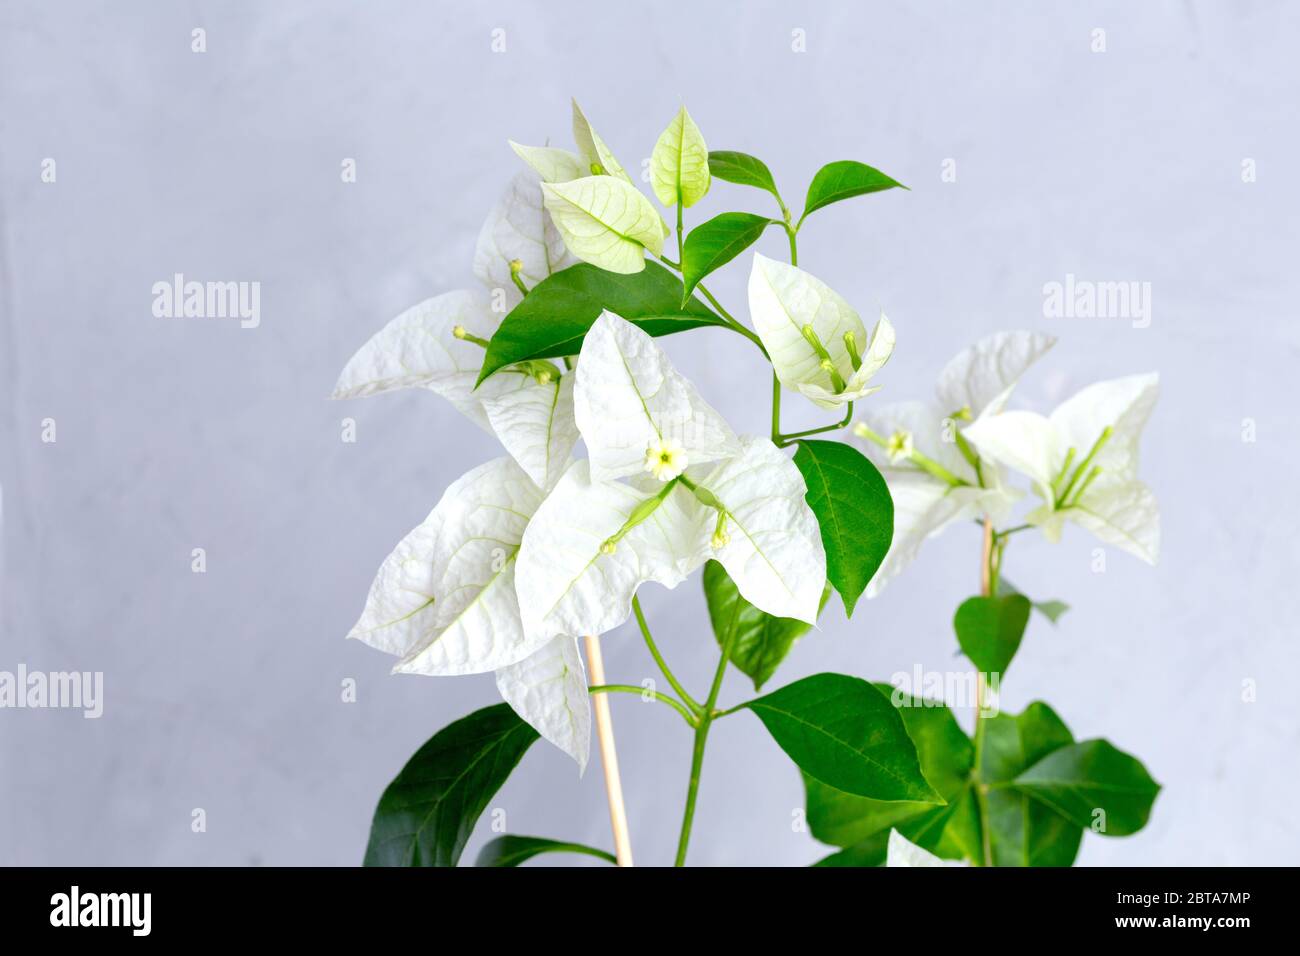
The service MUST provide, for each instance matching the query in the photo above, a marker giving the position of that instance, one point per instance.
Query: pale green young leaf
(679, 165)
(605, 221)
(595, 155)
(551, 164)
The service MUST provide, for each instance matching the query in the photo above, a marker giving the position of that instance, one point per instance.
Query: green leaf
(1093, 785)
(870, 852)
(605, 221)
(427, 813)
(679, 165)
(946, 757)
(743, 169)
(844, 180)
(854, 511)
(989, 630)
(761, 641)
(1023, 832)
(1026, 833)
(844, 732)
(513, 850)
(1052, 610)
(555, 315)
(713, 244)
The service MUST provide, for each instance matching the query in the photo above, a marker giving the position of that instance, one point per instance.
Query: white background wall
(223, 689)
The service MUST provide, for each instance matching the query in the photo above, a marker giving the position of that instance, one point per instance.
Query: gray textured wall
(223, 689)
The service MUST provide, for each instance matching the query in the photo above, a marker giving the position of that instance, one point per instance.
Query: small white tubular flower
(817, 342)
(1083, 461)
(444, 600)
(900, 447)
(934, 475)
(519, 230)
(665, 459)
(628, 398)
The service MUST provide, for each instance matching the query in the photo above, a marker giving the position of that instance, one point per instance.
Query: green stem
(641, 691)
(681, 243)
(783, 439)
(697, 752)
(922, 461)
(659, 659)
(794, 246)
(987, 585)
(727, 317)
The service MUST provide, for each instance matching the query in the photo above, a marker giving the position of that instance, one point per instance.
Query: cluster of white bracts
(970, 403)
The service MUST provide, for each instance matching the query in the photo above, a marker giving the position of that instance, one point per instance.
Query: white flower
(444, 602)
(665, 459)
(596, 539)
(1083, 460)
(817, 342)
(628, 398)
(438, 344)
(933, 473)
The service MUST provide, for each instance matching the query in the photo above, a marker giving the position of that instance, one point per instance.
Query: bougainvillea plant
(528, 555)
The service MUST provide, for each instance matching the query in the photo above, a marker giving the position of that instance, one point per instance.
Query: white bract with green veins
(1083, 461)
(816, 341)
(667, 486)
(934, 475)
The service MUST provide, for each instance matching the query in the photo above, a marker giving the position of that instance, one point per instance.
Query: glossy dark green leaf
(845, 733)
(427, 813)
(713, 244)
(743, 169)
(761, 641)
(1052, 610)
(859, 824)
(844, 180)
(511, 850)
(1094, 785)
(989, 630)
(854, 511)
(553, 318)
